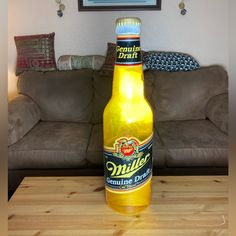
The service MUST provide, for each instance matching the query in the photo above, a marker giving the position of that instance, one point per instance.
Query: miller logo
(128, 164)
(127, 149)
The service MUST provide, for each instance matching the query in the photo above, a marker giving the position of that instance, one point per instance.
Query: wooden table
(74, 206)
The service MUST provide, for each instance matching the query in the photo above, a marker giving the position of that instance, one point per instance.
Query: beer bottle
(128, 126)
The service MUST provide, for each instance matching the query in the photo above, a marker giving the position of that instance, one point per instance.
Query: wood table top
(74, 206)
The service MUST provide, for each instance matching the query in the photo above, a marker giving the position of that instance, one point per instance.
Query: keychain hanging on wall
(61, 8)
(182, 8)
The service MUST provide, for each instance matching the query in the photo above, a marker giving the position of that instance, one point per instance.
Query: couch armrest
(217, 111)
(23, 114)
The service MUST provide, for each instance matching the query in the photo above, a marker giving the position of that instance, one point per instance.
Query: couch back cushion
(81, 95)
(184, 95)
(60, 95)
(102, 95)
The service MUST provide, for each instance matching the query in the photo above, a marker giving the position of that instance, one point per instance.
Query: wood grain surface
(74, 206)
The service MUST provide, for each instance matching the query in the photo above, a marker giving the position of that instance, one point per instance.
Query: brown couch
(55, 123)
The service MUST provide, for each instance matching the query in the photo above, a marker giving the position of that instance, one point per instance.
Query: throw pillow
(169, 61)
(35, 52)
(110, 59)
(70, 62)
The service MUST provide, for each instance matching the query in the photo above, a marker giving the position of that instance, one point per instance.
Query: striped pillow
(35, 52)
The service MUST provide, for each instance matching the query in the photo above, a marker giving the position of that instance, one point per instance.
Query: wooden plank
(80, 209)
(93, 222)
(183, 205)
(119, 232)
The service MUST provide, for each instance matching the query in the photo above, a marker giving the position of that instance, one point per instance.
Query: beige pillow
(74, 62)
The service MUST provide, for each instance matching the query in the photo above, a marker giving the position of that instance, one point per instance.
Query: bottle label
(128, 165)
(128, 51)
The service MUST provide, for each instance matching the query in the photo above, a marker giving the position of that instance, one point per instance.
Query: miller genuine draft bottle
(128, 126)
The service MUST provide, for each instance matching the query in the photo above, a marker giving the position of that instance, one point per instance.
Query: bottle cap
(130, 25)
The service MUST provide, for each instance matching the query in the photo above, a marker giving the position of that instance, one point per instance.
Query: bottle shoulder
(116, 102)
(127, 119)
(135, 110)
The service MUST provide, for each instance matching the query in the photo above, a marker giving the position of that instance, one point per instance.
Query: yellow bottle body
(128, 114)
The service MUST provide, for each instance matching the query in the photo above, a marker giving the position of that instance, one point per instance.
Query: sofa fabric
(217, 111)
(102, 93)
(95, 147)
(193, 143)
(159, 151)
(61, 95)
(23, 115)
(183, 95)
(51, 145)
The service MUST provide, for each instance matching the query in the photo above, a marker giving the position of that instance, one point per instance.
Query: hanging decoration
(61, 8)
(182, 8)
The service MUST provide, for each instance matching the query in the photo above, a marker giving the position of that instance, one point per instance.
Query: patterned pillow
(110, 59)
(70, 62)
(35, 52)
(169, 61)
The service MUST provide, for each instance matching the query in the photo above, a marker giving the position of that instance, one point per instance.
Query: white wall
(203, 32)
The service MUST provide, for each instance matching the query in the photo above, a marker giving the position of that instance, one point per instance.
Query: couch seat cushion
(51, 145)
(95, 149)
(193, 143)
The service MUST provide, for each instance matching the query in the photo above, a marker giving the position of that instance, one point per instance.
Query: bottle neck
(128, 73)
